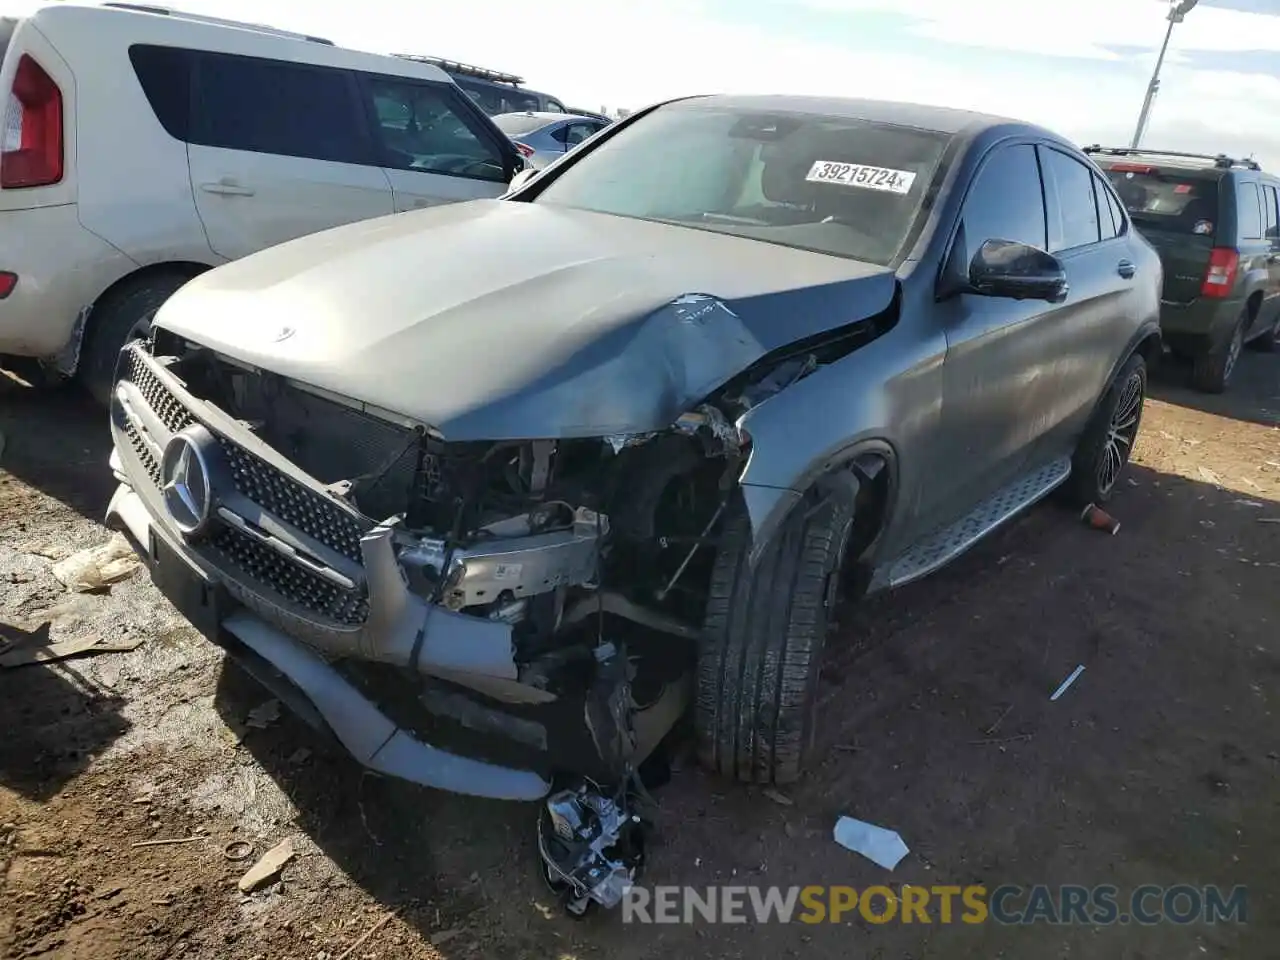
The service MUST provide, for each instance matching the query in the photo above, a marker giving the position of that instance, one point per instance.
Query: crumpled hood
(506, 320)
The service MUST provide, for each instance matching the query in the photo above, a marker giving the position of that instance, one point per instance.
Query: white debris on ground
(98, 566)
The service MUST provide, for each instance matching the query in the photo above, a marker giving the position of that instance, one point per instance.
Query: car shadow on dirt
(57, 441)
(1253, 396)
(935, 721)
(55, 722)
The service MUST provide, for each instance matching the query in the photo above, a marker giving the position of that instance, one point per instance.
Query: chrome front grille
(162, 402)
(262, 565)
(292, 502)
(248, 560)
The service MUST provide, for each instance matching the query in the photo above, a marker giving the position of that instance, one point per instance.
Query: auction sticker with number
(861, 175)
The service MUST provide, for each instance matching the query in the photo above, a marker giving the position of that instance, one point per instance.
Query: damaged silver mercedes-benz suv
(498, 492)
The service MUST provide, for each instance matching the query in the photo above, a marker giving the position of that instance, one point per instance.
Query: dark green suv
(1216, 224)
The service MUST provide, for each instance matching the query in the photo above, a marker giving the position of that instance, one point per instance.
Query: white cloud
(591, 54)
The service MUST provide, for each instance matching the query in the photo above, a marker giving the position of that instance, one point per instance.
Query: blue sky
(1078, 66)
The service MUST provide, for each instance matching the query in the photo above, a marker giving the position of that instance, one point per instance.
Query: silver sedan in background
(543, 137)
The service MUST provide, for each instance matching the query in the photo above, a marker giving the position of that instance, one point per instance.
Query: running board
(944, 545)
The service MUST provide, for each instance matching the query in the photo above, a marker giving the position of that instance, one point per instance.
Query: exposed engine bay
(595, 553)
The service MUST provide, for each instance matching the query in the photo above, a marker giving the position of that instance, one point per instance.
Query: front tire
(1107, 443)
(763, 639)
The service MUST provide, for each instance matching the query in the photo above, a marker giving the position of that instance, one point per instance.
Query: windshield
(834, 185)
(1177, 201)
(515, 124)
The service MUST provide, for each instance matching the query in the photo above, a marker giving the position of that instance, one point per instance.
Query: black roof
(946, 120)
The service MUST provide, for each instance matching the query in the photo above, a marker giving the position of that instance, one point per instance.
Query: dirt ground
(1158, 766)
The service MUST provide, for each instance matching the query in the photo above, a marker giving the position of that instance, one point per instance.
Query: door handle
(227, 188)
(1126, 269)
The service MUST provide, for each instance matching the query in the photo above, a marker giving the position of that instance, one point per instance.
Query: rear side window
(165, 75)
(1173, 200)
(1109, 220)
(496, 98)
(269, 106)
(1271, 213)
(1117, 214)
(1249, 211)
(1006, 201)
(1076, 223)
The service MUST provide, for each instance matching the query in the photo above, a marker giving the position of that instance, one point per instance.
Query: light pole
(1178, 9)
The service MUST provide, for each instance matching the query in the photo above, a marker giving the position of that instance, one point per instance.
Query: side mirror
(1019, 271)
(521, 178)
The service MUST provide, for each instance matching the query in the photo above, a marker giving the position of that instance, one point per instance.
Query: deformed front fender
(883, 398)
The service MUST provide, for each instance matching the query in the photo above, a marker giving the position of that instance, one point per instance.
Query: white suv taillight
(31, 152)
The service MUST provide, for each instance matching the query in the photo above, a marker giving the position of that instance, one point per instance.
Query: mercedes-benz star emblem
(184, 484)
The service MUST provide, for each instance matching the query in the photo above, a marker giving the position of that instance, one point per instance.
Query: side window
(577, 132)
(1076, 220)
(165, 75)
(419, 128)
(482, 95)
(1117, 213)
(1107, 225)
(269, 106)
(1271, 213)
(1248, 211)
(555, 106)
(1006, 201)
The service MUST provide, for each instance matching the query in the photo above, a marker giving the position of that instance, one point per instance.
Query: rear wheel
(125, 315)
(1104, 449)
(764, 634)
(1211, 372)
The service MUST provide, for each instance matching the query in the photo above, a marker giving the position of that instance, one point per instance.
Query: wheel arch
(865, 472)
(189, 269)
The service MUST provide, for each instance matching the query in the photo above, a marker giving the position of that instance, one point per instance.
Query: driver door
(992, 407)
(431, 146)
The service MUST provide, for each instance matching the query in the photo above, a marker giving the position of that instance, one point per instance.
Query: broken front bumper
(252, 546)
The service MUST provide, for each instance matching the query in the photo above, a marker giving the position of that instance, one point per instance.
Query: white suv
(143, 146)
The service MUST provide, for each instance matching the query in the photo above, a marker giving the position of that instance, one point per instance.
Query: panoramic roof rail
(1219, 159)
(216, 21)
(465, 69)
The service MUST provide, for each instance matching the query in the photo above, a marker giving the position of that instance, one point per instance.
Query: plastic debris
(882, 847)
(1062, 688)
(20, 655)
(777, 796)
(98, 566)
(1097, 518)
(268, 867)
